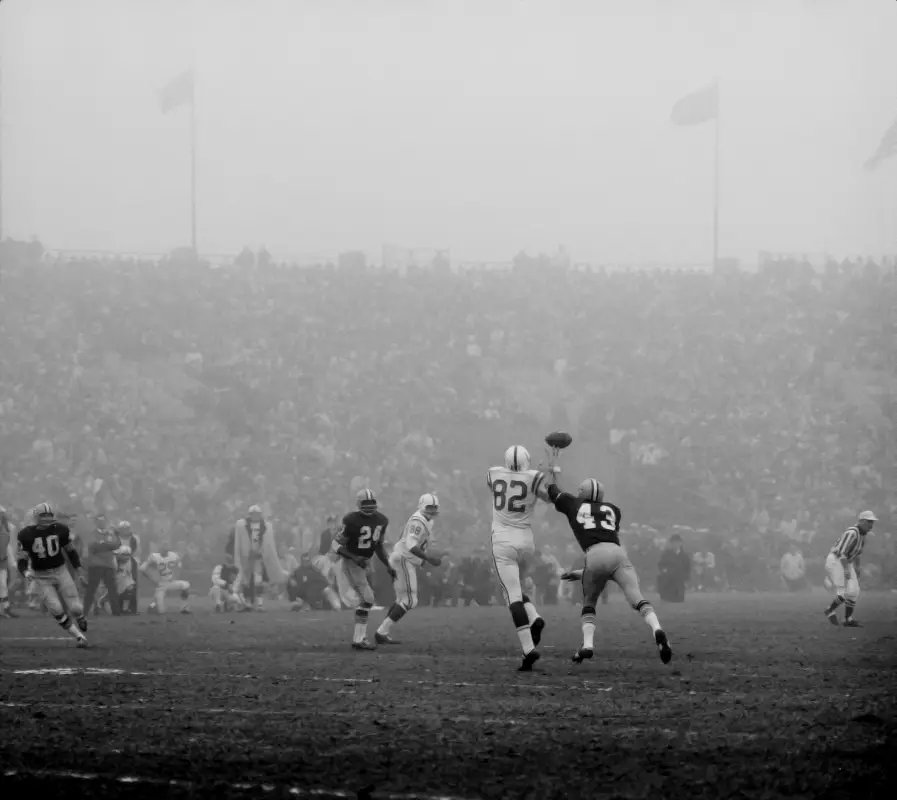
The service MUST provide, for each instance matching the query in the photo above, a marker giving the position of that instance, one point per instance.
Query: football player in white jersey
(159, 568)
(409, 553)
(515, 490)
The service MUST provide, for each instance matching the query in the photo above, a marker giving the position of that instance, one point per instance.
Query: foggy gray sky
(480, 126)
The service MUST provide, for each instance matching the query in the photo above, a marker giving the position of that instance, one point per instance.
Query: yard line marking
(267, 788)
(68, 671)
(37, 639)
(146, 705)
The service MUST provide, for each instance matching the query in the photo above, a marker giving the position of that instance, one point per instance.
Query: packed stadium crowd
(747, 412)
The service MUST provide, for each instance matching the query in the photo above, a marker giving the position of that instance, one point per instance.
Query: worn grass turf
(763, 699)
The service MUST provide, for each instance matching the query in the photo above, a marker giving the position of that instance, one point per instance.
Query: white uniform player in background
(515, 490)
(409, 553)
(159, 568)
(840, 567)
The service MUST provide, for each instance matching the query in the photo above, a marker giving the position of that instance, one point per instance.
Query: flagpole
(193, 169)
(716, 183)
(1, 145)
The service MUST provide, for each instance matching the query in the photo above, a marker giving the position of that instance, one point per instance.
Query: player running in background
(840, 567)
(44, 546)
(159, 568)
(596, 525)
(361, 535)
(515, 489)
(410, 553)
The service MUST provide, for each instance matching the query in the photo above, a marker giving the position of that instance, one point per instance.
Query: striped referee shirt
(850, 545)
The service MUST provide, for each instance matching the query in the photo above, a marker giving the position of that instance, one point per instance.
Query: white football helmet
(517, 458)
(428, 505)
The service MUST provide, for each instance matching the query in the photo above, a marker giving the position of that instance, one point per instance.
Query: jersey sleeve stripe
(847, 544)
(537, 482)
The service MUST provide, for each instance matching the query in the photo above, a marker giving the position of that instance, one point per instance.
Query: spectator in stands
(673, 571)
(792, 569)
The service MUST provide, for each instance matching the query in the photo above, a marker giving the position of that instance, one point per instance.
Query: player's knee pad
(518, 614)
(644, 607)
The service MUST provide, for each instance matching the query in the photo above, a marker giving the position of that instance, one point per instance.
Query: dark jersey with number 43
(361, 533)
(43, 546)
(591, 523)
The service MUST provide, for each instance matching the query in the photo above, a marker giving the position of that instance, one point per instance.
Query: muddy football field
(763, 699)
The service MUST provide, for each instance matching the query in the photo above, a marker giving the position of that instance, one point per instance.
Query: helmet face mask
(428, 505)
(366, 502)
(517, 458)
(43, 515)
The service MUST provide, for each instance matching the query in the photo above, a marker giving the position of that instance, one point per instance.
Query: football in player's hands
(559, 440)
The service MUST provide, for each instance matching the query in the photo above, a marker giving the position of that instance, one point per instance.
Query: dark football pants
(107, 575)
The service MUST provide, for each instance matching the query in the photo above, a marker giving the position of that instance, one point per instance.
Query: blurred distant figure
(5, 539)
(255, 555)
(131, 540)
(674, 569)
(793, 570)
(225, 591)
(101, 565)
(307, 588)
(160, 569)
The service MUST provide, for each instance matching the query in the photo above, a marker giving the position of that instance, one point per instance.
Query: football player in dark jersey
(361, 535)
(43, 546)
(595, 523)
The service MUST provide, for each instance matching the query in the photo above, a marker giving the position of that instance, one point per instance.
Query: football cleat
(82, 624)
(385, 638)
(536, 630)
(186, 611)
(517, 458)
(833, 618)
(364, 644)
(82, 643)
(582, 654)
(528, 660)
(852, 623)
(663, 646)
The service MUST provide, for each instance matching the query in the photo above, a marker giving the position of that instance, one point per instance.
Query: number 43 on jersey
(586, 518)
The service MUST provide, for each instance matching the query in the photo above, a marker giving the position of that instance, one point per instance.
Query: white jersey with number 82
(514, 497)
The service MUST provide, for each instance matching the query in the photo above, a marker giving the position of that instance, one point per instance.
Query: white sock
(588, 635)
(531, 613)
(361, 630)
(385, 626)
(526, 640)
(651, 619)
(73, 630)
